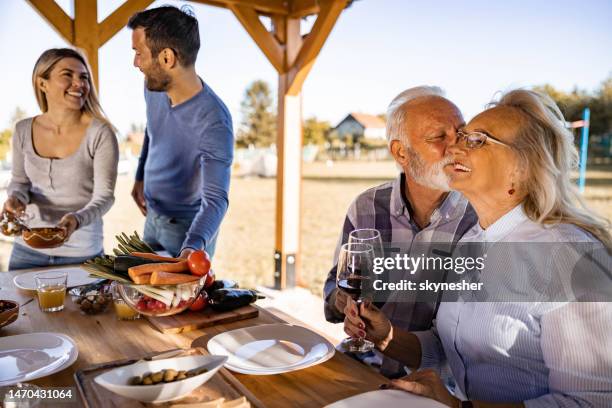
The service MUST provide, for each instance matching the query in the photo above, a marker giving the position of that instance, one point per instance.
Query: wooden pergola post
(287, 258)
(290, 53)
(293, 57)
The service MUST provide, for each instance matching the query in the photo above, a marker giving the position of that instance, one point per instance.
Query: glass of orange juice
(122, 309)
(51, 290)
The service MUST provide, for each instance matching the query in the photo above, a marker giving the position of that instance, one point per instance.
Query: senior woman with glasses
(513, 163)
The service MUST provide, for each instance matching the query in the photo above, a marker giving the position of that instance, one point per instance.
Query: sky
(473, 49)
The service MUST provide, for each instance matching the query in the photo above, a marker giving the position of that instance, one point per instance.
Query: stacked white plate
(386, 398)
(271, 349)
(76, 277)
(25, 357)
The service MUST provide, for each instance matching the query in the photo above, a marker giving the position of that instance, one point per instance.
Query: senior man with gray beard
(416, 209)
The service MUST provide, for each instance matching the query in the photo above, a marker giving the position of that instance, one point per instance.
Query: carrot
(166, 278)
(143, 279)
(161, 267)
(155, 257)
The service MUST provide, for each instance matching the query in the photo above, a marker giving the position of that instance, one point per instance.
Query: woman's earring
(512, 190)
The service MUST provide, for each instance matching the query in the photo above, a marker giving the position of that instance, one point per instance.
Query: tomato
(142, 304)
(151, 304)
(200, 302)
(210, 278)
(199, 263)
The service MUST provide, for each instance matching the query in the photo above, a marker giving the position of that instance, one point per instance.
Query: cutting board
(188, 321)
(221, 385)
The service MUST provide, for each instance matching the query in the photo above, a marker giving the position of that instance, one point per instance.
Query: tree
(258, 126)
(315, 131)
(137, 128)
(6, 134)
(572, 105)
(18, 114)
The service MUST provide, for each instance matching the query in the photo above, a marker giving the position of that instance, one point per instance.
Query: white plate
(117, 380)
(386, 398)
(25, 357)
(271, 349)
(76, 277)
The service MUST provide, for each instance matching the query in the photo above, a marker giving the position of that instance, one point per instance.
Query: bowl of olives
(161, 380)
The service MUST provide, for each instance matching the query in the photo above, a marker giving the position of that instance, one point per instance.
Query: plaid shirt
(385, 208)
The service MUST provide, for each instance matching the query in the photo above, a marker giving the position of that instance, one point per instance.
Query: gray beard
(432, 176)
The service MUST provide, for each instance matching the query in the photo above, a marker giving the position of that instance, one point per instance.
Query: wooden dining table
(102, 338)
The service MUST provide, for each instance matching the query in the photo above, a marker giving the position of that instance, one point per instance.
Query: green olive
(157, 377)
(137, 380)
(170, 375)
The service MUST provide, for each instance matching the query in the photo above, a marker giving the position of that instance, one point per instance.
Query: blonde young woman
(513, 163)
(64, 162)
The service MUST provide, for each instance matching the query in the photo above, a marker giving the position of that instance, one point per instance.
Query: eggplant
(222, 284)
(223, 300)
(123, 262)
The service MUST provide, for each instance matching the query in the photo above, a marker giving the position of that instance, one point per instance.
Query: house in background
(361, 126)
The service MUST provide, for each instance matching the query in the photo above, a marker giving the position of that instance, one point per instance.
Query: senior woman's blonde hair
(42, 69)
(546, 149)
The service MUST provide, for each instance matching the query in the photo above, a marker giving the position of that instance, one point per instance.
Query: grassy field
(246, 242)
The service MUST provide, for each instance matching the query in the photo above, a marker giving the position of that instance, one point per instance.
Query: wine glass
(368, 236)
(355, 264)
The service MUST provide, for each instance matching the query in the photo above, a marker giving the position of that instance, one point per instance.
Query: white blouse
(542, 353)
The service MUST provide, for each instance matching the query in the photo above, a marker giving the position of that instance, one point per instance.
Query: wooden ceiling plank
(280, 7)
(265, 40)
(55, 16)
(119, 18)
(328, 15)
(302, 8)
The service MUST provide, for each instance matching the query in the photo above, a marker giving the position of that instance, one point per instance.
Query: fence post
(584, 148)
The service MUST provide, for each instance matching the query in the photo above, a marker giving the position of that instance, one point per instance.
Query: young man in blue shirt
(183, 174)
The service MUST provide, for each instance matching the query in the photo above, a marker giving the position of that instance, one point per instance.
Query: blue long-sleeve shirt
(186, 160)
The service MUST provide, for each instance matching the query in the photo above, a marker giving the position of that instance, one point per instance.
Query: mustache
(445, 161)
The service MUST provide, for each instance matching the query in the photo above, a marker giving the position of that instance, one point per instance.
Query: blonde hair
(546, 149)
(42, 69)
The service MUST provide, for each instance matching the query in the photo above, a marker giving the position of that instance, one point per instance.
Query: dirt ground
(246, 243)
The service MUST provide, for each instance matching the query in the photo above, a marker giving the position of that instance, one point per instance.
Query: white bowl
(117, 380)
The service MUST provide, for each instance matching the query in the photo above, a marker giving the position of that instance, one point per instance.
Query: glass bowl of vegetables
(150, 283)
(162, 300)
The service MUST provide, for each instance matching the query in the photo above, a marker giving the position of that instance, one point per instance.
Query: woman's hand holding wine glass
(364, 320)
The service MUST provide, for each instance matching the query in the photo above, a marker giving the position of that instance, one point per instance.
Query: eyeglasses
(475, 140)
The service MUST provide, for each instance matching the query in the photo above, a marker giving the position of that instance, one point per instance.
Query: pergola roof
(85, 32)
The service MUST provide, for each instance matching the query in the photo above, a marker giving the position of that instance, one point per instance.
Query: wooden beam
(279, 29)
(302, 8)
(86, 32)
(119, 18)
(328, 15)
(262, 6)
(265, 40)
(55, 16)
